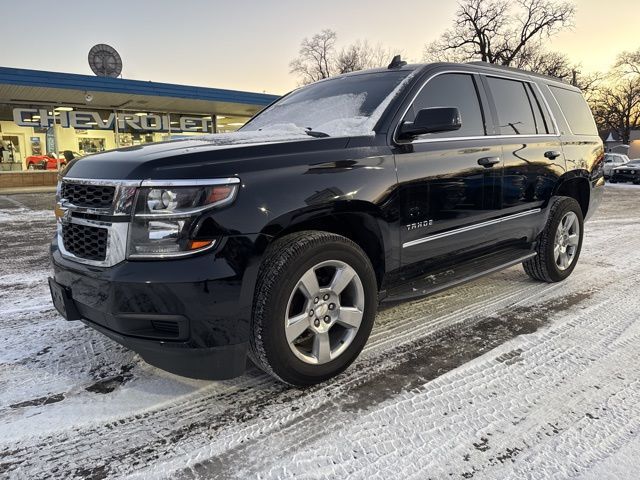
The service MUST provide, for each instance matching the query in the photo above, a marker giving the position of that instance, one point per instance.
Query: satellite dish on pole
(105, 61)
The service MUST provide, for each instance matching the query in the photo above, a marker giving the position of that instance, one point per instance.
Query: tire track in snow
(360, 376)
(504, 406)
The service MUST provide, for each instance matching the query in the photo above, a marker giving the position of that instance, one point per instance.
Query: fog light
(163, 230)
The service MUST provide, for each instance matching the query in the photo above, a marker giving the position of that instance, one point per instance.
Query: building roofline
(73, 81)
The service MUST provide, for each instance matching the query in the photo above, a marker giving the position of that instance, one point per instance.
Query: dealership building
(50, 113)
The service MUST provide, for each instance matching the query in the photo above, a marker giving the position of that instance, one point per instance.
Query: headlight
(166, 215)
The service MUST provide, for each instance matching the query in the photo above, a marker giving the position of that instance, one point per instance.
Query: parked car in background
(629, 172)
(44, 162)
(49, 161)
(613, 160)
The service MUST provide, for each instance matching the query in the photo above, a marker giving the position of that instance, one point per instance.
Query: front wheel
(314, 307)
(559, 244)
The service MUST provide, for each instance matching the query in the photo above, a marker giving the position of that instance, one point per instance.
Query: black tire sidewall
(567, 205)
(280, 357)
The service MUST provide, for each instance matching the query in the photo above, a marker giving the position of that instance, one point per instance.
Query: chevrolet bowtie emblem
(63, 215)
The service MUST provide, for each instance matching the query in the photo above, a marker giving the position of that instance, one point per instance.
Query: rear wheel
(559, 244)
(31, 167)
(315, 303)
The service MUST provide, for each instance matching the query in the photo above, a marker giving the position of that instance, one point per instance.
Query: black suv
(277, 242)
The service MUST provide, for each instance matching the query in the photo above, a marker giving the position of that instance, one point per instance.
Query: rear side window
(575, 110)
(541, 122)
(515, 107)
(452, 90)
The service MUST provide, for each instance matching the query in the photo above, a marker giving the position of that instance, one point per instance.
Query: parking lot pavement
(500, 378)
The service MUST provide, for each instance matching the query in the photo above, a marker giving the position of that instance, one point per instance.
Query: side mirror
(431, 120)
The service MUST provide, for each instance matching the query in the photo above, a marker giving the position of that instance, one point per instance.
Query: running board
(465, 272)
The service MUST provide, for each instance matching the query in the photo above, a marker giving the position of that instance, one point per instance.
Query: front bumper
(622, 176)
(189, 316)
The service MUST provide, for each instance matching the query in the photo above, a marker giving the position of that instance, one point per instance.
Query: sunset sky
(247, 45)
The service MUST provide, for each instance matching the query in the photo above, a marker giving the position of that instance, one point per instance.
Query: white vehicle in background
(613, 160)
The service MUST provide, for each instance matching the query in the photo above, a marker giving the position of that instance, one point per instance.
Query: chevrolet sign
(92, 120)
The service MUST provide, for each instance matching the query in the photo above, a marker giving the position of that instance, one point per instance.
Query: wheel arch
(361, 222)
(575, 184)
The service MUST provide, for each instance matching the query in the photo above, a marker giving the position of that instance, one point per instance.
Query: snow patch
(337, 116)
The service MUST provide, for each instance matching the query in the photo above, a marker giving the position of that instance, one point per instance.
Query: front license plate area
(62, 301)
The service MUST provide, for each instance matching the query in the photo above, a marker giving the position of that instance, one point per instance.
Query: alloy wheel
(566, 241)
(324, 312)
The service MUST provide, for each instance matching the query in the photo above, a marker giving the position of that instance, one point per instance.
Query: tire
(31, 167)
(612, 180)
(545, 266)
(281, 296)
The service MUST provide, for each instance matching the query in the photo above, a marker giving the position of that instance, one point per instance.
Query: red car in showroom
(47, 162)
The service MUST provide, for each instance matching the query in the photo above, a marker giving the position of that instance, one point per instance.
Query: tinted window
(576, 111)
(615, 158)
(541, 122)
(513, 105)
(452, 90)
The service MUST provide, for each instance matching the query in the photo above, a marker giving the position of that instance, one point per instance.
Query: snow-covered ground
(500, 378)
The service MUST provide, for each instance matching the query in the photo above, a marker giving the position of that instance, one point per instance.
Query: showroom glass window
(518, 110)
(452, 90)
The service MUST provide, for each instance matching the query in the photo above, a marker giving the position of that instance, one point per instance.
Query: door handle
(488, 162)
(552, 154)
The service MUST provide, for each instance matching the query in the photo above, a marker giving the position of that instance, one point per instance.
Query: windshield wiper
(312, 133)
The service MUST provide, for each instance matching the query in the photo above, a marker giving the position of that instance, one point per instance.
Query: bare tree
(498, 31)
(361, 55)
(555, 64)
(536, 59)
(319, 58)
(617, 107)
(628, 63)
(316, 57)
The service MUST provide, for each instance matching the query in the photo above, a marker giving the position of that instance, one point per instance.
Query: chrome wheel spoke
(322, 347)
(573, 239)
(350, 317)
(569, 219)
(296, 326)
(564, 260)
(309, 284)
(342, 278)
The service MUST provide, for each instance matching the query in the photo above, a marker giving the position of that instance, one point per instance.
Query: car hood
(199, 157)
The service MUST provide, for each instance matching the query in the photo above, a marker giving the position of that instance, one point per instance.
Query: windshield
(342, 106)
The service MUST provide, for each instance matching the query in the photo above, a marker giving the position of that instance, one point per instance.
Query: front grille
(88, 196)
(85, 242)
